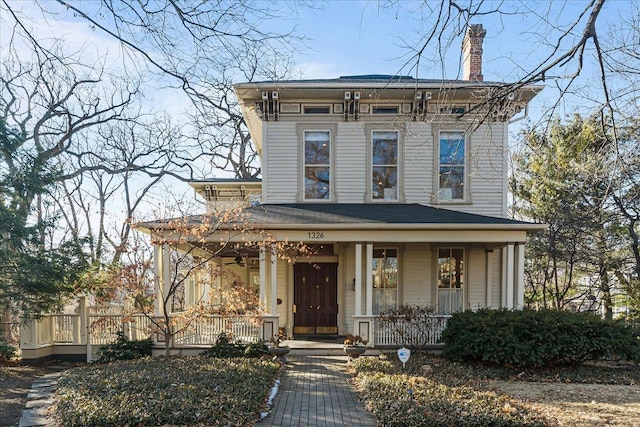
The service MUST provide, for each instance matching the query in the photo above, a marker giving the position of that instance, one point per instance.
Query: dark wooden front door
(315, 297)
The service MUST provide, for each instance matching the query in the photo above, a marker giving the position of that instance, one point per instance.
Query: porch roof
(373, 214)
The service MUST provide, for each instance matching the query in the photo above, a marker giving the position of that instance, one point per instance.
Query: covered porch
(370, 258)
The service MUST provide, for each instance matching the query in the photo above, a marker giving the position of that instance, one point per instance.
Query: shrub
(224, 348)
(124, 349)
(7, 351)
(528, 338)
(412, 324)
(256, 349)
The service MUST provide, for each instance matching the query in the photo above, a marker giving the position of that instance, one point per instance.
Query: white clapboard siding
(351, 163)
(418, 163)
(496, 296)
(487, 170)
(280, 163)
(476, 278)
(417, 277)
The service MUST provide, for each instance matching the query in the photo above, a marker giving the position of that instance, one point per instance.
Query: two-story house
(401, 183)
(398, 184)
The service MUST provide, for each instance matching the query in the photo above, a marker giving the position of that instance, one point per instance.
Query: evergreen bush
(544, 338)
(124, 349)
(224, 348)
(7, 351)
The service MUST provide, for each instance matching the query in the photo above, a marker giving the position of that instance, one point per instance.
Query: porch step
(319, 348)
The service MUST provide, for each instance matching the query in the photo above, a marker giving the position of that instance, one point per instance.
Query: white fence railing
(427, 331)
(205, 330)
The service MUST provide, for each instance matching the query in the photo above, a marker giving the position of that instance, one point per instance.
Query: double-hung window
(317, 165)
(450, 280)
(384, 155)
(451, 168)
(385, 279)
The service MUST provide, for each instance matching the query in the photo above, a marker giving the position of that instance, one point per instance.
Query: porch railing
(205, 330)
(428, 332)
(67, 329)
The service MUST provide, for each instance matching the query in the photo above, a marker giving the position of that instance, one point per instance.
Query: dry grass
(580, 405)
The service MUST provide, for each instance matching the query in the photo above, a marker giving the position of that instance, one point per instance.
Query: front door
(315, 297)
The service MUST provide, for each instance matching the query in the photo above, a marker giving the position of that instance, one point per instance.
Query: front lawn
(174, 391)
(432, 391)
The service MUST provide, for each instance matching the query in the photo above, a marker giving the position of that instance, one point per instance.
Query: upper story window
(385, 279)
(317, 109)
(384, 160)
(386, 109)
(317, 165)
(451, 167)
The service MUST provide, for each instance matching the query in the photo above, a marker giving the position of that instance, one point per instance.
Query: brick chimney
(472, 53)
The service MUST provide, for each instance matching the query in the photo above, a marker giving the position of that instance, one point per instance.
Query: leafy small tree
(196, 243)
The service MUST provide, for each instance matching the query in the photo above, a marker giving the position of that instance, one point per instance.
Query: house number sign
(316, 235)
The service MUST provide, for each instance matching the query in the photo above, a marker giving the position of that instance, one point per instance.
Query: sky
(351, 37)
(362, 37)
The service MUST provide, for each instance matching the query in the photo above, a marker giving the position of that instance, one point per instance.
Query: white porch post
(519, 275)
(364, 325)
(369, 279)
(263, 277)
(509, 275)
(274, 281)
(206, 289)
(489, 278)
(358, 280)
(161, 266)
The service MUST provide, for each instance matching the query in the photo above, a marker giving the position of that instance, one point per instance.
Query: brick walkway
(317, 391)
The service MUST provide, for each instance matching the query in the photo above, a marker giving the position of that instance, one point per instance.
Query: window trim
(437, 191)
(301, 129)
(398, 271)
(465, 285)
(370, 128)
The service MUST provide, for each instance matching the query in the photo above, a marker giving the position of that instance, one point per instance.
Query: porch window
(450, 280)
(385, 279)
(317, 165)
(384, 184)
(451, 165)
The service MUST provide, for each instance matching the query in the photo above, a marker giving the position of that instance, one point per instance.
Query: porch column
(508, 279)
(519, 275)
(162, 269)
(489, 279)
(274, 281)
(263, 277)
(358, 280)
(369, 279)
(206, 289)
